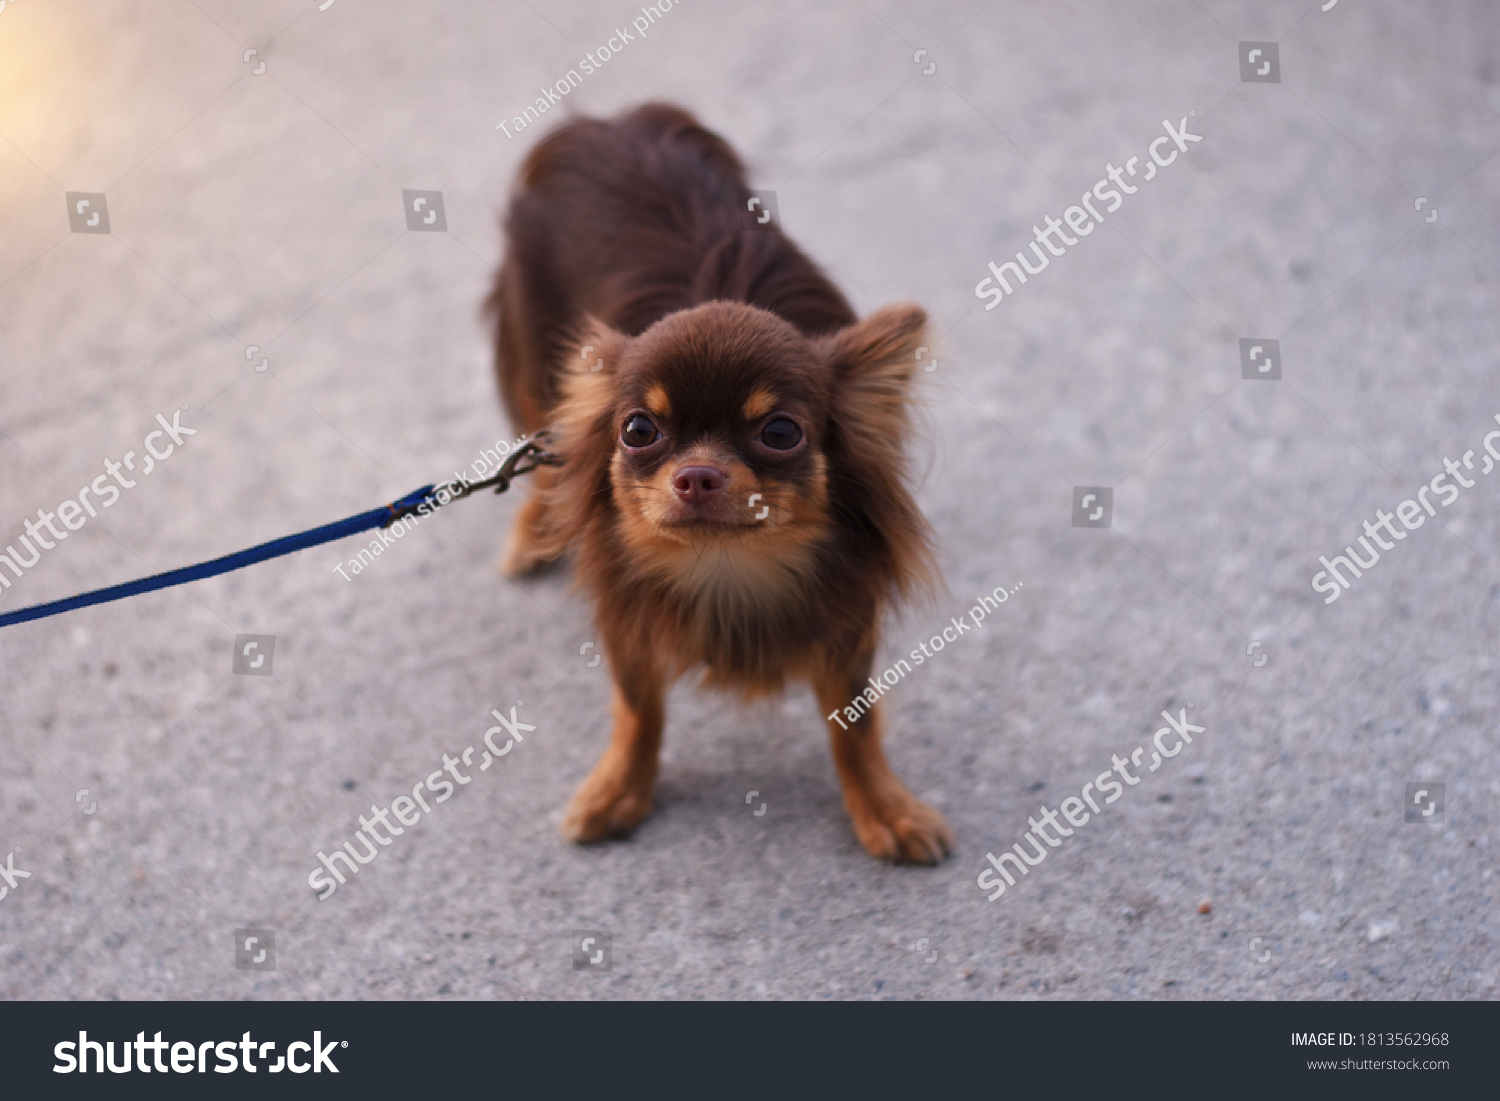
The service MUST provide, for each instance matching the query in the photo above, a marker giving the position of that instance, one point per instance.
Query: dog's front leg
(892, 823)
(616, 797)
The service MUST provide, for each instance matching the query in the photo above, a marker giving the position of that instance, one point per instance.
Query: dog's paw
(604, 807)
(520, 562)
(524, 558)
(903, 829)
(524, 555)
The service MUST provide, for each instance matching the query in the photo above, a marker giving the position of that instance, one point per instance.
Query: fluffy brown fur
(638, 302)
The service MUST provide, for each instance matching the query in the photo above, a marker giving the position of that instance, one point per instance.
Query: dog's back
(629, 220)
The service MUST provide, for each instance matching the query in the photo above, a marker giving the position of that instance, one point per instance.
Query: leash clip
(523, 460)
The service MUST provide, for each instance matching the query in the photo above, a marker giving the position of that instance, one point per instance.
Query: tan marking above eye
(759, 404)
(656, 400)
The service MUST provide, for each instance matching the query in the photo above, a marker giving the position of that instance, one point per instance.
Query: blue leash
(424, 500)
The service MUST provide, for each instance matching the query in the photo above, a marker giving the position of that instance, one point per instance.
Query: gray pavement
(256, 214)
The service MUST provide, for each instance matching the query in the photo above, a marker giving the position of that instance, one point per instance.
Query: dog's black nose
(699, 484)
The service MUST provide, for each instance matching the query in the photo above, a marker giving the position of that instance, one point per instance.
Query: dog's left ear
(873, 363)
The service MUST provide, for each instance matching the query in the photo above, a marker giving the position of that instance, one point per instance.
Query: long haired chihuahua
(732, 478)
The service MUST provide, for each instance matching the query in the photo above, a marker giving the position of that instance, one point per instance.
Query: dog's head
(723, 429)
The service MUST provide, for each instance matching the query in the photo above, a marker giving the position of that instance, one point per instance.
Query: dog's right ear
(594, 348)
(586, 383)
(584, 429)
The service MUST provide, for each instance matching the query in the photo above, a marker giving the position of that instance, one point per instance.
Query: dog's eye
(639, 432)
(782, 434)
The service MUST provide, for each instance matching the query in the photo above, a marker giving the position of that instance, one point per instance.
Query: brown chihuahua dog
(732, 445)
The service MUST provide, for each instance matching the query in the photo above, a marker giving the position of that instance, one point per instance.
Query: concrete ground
(1347, 211)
